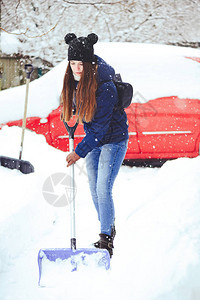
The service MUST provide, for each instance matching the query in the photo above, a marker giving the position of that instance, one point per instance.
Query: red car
(161, 129)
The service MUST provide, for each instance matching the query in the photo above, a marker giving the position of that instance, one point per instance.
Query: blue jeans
(103, 164)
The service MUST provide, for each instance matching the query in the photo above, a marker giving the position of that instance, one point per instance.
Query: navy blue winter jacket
(108, 125)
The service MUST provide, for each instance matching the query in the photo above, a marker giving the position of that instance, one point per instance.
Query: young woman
(89, 93)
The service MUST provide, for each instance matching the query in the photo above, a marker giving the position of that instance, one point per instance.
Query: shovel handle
(28, 70)
(71, 131)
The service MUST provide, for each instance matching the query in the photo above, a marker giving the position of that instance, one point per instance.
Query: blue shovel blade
(76, 259)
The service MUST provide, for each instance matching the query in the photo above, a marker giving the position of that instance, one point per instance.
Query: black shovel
(13, 163)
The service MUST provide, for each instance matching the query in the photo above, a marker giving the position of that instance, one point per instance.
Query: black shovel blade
(12, 163)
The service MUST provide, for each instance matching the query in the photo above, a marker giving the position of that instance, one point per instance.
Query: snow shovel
(72, 259)
(13, 163)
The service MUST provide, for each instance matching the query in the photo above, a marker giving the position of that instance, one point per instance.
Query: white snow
(153, 70)
(157, 246)
(9, 43)
(55, 273)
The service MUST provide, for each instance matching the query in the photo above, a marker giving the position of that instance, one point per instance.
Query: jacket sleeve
(95, 130)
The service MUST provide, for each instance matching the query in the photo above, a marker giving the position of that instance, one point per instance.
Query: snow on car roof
(153, 70)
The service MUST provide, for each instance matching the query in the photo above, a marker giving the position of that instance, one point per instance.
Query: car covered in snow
(164, 117)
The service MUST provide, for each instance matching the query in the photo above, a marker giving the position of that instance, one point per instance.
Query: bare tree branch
(27, 29)
(107, 25)
(147, 19)
(17, 5)
(93, 3)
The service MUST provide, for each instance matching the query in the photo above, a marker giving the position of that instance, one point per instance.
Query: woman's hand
(72, 158)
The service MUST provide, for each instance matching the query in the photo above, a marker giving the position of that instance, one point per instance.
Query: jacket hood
(105, 71)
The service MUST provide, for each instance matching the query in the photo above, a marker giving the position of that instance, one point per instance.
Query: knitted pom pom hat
(81, 48)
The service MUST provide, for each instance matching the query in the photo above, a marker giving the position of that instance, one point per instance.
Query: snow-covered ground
(153, 70)
(157, 246)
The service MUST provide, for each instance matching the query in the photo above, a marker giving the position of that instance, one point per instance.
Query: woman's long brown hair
(85, 93)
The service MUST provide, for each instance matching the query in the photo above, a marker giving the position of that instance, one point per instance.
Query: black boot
(106, 242)
(113, 234)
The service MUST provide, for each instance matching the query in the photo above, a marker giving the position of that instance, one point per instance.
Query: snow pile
(164, 230)
(10, 44)
(55, 273)
(20, 214)
(157, 246)
(44, 95)
(153, 70)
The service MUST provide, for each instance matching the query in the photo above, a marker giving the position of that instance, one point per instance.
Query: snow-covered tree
(40, 25)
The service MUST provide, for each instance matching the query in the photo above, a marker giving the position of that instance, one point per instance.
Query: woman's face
(77, 67)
